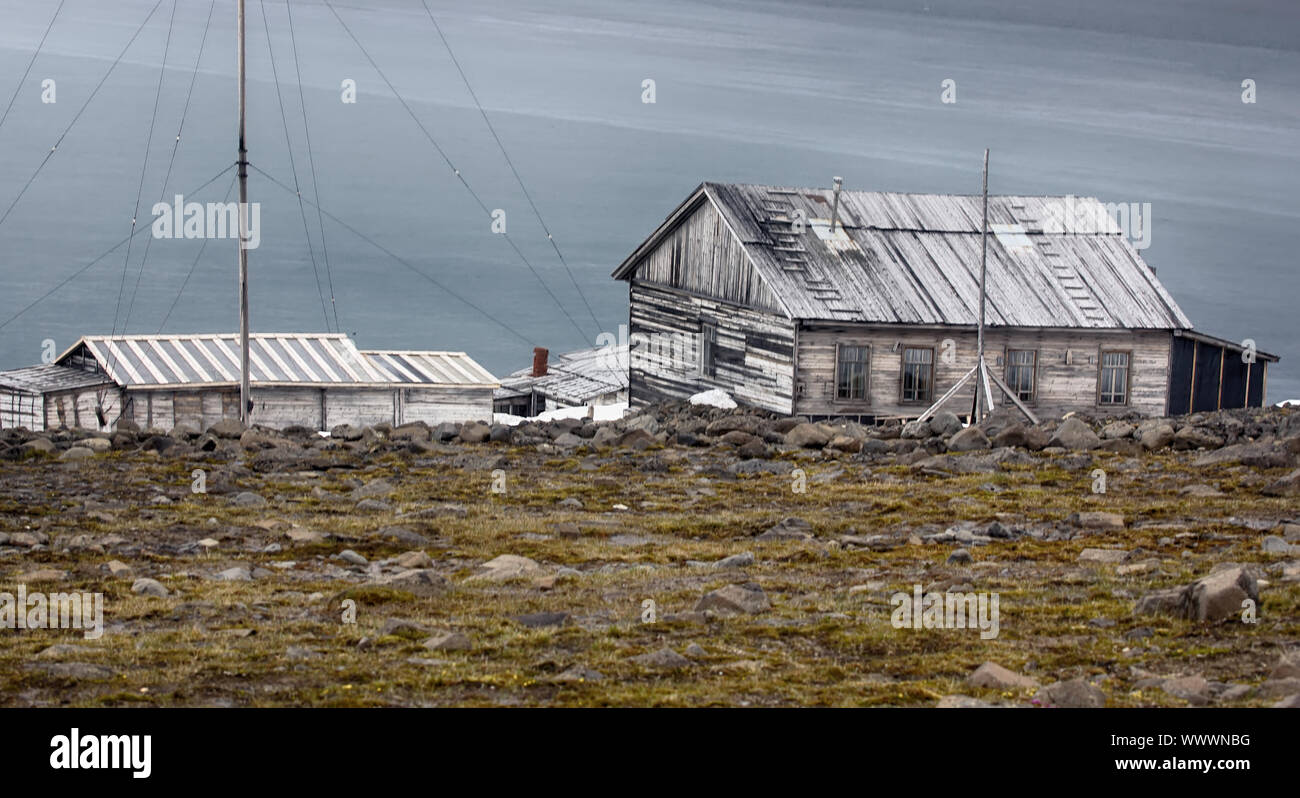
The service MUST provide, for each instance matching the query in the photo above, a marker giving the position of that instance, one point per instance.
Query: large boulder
(1156, 436)
(1076, 435)
(1288, 485)
(968, 440)
(1190, 437)
(944, 423)
(227, 428)
(808, 436)
(1216, 597)
(475, 432)
(1256, 455)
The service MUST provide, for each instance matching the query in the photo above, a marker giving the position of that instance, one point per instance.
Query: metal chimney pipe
(835, 205)
(539, 361)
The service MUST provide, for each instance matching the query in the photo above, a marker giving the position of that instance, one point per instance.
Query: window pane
(850, 372)
(1021, 364)
(1114, 377)
(918, 375)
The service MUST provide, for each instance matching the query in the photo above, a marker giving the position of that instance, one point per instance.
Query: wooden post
(978, 414)
(245, 397)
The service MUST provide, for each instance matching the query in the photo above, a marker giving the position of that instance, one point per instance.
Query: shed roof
(50, 377)
(575, 377)
(915, 258)
(322, 359)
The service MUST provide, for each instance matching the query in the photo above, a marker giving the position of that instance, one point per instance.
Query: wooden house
(313, 380)
(832, 303)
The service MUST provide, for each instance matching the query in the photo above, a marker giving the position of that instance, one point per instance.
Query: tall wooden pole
(979, 339)
(245, 398)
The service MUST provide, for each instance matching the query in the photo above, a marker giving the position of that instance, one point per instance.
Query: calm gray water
(1128, 102)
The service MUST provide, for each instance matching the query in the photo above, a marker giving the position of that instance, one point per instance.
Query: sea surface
(1127, 102)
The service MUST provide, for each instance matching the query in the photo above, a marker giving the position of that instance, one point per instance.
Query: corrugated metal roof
(914, 258)
(50, 377)
(275, 359)
(575, 377)
(433, 368)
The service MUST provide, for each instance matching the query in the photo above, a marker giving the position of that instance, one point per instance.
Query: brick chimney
(539, 361)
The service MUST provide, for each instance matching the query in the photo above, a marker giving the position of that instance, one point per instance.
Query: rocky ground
(681, 556)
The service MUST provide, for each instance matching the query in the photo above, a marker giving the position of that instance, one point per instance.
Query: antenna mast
(245, 399)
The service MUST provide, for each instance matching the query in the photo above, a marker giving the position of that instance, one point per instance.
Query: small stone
(1075, 693)
(350, 556)
(1273, 544)
(1194, 689)
(539, 620)
(663, 659)
(1097, 520)
(42, 575)
(742, 560)
(401, 627)
(120, 569)
(961, 702)
(414, 559)
(448, 641)
(1108, 556)
(579, 673)
(300, 535)
(248, 499)
(791, 528)
(995, 677)
(149, 587)
(746, 598)
(959, 557)
(503, 567)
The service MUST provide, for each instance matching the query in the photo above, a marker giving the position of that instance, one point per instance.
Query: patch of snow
(715, 397)
(1289, 403)
(610, 412)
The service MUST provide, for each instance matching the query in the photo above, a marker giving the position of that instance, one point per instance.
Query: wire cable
(202, 248)
(148, 242)
(293, 167)
(582, 335)
(311, 161)
(528, 196)
(400, 260)
(82, 110)
(101, 257)
(18, 89)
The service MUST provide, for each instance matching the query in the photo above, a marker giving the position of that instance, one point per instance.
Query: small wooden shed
(29, 395)
(587, 377)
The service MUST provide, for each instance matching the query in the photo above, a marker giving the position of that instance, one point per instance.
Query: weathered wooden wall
(701, 256)
(21, 409)
(753, 353)
(1061, 386)
(76, 408)
(438, 404)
